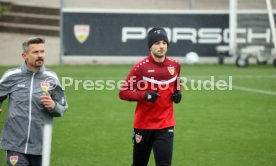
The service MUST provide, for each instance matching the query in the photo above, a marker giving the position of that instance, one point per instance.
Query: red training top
(148, 75)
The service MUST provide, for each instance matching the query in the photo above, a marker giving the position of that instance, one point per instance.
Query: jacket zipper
(30, 113)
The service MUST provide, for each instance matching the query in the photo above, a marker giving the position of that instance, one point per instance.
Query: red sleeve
(129, 89)
(178, 83)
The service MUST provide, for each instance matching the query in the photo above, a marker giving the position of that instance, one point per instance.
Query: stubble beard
(159, 55)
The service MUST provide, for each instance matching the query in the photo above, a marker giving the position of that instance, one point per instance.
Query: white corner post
(47, 141)
(233, 27)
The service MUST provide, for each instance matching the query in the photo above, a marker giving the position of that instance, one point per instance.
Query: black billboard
(124, 33)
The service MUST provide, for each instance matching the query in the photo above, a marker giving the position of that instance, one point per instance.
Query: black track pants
(161, 141)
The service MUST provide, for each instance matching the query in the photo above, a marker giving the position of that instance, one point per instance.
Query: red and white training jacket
(148, 75)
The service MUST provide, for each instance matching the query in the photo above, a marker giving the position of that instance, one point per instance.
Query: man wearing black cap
(154, 84)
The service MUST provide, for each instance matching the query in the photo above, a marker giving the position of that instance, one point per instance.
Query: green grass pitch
(214, 128)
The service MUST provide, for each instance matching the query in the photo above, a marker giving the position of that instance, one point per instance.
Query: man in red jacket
(154, 83)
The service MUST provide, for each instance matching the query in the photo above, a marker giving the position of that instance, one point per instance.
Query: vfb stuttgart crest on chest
(171, 69)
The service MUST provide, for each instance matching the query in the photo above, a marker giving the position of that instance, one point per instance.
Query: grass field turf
(214, 128)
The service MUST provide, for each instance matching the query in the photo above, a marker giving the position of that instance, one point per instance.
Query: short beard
(39, 63)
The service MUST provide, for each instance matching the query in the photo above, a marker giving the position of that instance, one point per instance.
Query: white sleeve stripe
(9, 73)
(159, 82)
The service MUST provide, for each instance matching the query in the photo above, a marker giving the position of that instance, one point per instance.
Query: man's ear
(24, 55)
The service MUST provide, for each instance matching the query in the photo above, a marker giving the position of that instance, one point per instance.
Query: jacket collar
(25, 69)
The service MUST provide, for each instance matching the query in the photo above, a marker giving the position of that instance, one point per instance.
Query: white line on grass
(254, 90)
(241, 88)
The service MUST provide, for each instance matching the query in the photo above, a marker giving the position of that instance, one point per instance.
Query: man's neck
(158, 59)
(32, 68)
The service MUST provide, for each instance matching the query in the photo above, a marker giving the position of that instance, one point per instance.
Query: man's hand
(151, 96)
(47, 101)
(1, 110)
(176, 97)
